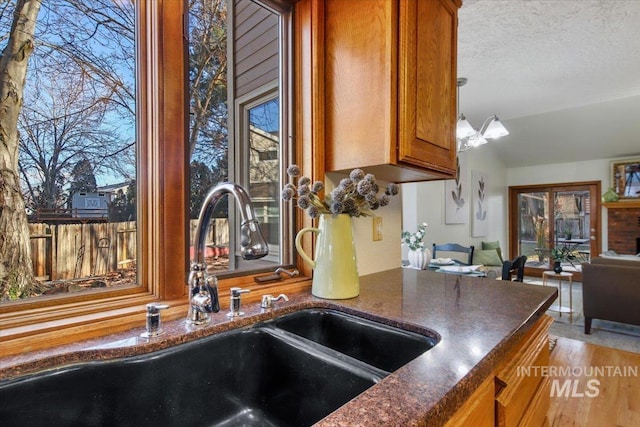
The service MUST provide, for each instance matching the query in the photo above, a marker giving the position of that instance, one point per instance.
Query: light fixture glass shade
(495, 129)
(476, 140)
(464, 128)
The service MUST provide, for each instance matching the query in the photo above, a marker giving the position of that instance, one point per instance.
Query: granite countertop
(478, 321)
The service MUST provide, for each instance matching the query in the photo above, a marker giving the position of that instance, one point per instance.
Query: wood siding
(254, 48)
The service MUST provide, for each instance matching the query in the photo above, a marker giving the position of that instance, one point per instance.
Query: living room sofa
(611, 290)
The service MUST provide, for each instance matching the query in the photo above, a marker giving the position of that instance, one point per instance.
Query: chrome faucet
(203, 286)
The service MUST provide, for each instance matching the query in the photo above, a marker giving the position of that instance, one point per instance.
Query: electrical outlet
(377, 228)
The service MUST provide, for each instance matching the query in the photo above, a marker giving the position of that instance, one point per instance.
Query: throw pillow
(491, 245)
(487, 257)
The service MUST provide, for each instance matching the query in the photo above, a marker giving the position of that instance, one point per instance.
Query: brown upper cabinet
(390, 87)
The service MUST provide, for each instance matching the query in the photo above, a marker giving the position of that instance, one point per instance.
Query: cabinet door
(522, 392)
(427, 84)
(360, 83)
(478, 410)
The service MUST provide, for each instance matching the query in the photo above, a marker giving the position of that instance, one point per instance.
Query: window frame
(163, 179)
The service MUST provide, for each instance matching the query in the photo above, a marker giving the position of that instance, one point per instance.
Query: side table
(567, 277)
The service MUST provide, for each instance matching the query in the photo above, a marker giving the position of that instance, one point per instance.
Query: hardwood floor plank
(593, 386)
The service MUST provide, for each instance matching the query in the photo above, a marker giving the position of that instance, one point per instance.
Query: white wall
(424, 202)
(593, 170)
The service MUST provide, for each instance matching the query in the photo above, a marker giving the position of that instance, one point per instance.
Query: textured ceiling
(562, 76)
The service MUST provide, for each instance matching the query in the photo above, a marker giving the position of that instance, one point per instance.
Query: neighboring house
(112, 190)
(264, 179)
(89, 205)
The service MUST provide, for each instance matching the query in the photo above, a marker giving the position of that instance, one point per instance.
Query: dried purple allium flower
(288, 194)
(345, 183)
(304, 181)
(303, 190)
(337, 208)
(338, 194)
(364, 187)
(304, 202)
(370, 197)
(355, 196)
(356, 211)
(293, 171)
(356, 175)
(313, 212)
(317, 187)
(349, 205)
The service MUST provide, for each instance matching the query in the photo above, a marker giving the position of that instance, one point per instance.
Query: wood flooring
(593, 386)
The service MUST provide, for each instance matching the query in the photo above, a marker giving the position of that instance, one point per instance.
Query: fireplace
(623, 227)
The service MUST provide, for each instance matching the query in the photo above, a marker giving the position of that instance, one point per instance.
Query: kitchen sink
(290, 371)
(385, 347)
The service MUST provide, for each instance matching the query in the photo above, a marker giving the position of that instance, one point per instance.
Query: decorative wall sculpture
(480, 218)
(456, 196)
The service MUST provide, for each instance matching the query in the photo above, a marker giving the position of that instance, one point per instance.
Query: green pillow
(491, 245)
(487, 257)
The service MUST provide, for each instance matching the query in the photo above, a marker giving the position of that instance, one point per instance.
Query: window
(267, 155)
(162, 194)
(261, 131)
(77, 147)
(235, 127)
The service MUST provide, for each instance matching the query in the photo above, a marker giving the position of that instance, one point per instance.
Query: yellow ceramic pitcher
(335, 273)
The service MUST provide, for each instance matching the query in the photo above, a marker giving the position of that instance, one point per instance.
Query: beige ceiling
(563, 76)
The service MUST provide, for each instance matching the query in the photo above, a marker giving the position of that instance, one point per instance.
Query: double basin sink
(289, 371)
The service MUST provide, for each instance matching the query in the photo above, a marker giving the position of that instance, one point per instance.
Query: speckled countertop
(477, 319)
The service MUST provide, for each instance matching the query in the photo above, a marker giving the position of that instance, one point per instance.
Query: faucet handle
(154, 325)
(235, 292)
(268, 300)
(155, 307)
(234, 304)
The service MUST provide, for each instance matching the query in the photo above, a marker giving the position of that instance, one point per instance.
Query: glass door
(533, 231)
(555, 222)
(572, 230)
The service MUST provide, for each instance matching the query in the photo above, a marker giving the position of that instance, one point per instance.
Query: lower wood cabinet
(516, 394)
(478, 410)
(522, 393)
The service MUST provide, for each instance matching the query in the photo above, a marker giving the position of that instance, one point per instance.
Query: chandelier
(467, 136)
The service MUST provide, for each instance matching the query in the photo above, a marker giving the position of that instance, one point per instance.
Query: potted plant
(559, 255)
(419, 255)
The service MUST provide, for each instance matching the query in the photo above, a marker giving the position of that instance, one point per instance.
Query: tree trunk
(16, 272)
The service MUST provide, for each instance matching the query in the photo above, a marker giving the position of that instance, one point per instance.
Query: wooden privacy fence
(70, 251)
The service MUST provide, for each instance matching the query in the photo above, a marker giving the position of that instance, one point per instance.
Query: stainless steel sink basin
(382, 346)
(263, 375)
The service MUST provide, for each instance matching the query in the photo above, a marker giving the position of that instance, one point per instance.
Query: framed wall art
(625, 178)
